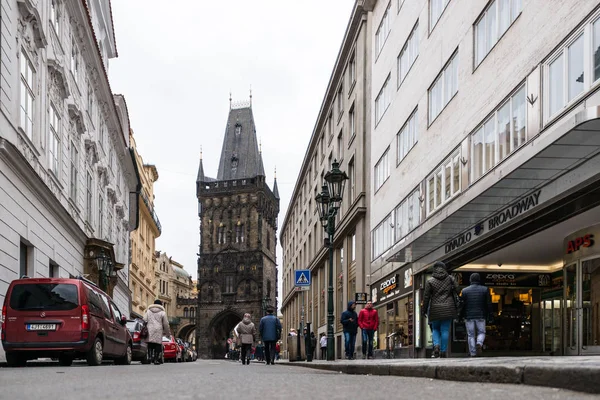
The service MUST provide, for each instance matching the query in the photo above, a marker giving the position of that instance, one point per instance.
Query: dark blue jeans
(350, 339)
(367, 342)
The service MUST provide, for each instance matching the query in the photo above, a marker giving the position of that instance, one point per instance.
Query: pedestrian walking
(313, 345)
(477, 306)
(368, 322)
(440, 306)
(350, 323)
(277, 350)
(158, 326)
(323, 342)
(246, 332)
(270, 332)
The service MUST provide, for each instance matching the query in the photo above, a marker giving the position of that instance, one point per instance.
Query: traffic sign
(301, 288)
(302, 277)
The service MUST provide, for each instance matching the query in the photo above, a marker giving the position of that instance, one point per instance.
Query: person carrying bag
(245, 332)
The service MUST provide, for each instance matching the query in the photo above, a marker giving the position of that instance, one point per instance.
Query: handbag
(144, 332)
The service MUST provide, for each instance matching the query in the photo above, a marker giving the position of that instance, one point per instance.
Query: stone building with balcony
(143, 240)
(66, 171)
(237, 268)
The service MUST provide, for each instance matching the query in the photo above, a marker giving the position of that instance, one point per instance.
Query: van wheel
(15, 360)
(126, 359)
(65, 360)
(95, 353)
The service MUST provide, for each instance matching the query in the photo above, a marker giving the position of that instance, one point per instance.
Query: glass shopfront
(393, 300)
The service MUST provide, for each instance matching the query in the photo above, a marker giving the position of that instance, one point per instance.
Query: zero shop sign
(498, 219)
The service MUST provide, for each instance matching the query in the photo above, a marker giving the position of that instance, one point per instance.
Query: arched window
(185, 312)
(192, 312)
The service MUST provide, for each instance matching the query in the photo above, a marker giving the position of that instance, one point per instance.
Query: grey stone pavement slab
(574, 373)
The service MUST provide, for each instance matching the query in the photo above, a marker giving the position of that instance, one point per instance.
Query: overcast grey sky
(176, 67)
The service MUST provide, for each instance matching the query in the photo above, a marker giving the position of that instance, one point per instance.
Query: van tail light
(3, 323)
(85, 322)
(136, 337)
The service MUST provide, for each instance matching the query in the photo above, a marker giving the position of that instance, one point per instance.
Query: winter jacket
(368, 318)
(477, 302)
(269, 327)
(246, 331)
(157, 323)
(350, 326)
(440, 292)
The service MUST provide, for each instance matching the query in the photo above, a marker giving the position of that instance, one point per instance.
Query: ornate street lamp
(106, 269)
(328, 202)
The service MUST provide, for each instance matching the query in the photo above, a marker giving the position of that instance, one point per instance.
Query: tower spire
(250, 96)
(275, 188)
(230, 100)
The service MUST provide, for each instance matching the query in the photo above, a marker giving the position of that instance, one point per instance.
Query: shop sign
(498, 219)
(360, 298)
(505, 279)
(580, 244)
(396, 284)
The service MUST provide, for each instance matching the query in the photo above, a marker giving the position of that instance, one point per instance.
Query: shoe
(370, 357)
(479, 350)
(364, 356)
(443, 354)
(436, 352)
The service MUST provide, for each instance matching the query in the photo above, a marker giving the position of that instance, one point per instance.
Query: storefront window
(511, 325)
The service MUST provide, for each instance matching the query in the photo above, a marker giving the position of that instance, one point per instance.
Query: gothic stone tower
(237, 268)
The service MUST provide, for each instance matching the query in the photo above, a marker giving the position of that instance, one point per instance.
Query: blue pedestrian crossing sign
(302, 277)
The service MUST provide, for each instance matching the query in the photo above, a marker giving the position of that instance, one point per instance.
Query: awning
(522, 184)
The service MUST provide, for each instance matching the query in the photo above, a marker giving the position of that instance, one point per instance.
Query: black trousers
(155, 350)
(323, 353)
(270, 351)
(246, 353)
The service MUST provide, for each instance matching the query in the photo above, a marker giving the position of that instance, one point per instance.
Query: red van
(62, 318)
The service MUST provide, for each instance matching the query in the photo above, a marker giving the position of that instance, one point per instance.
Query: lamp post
(328, 204)
(105, 269)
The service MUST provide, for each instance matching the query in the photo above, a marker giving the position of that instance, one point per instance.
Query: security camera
(499, 264)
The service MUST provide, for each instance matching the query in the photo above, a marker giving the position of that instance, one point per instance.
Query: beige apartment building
(484, 154)
(341, 133)
(143, 280)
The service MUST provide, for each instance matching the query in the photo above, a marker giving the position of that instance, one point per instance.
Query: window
(500, 135)
(408, 136)
(74, 171)
(443, 183)
(90, 101)
(53, 270)
(54, 15)
(100, 214)
(353, 247)
(54, 136)
(101, 133)
(116, 313)
(229, 284)
(494, 22)
(27, 97)
(340, 145)
(567, 75)
(74, 61)
(239, 233)
(436, 8)
(352, 70)
(383, 31)
(110, 226)
(408, 215)
(351, 181)
(409, 54)
(88, 197)
(322, 142)
(221, 234)
(340, 102)
(444, 88)
(383, 100)
(24, 251)
(352, 118)
(330, 125)
(383, 236)
(382, 170)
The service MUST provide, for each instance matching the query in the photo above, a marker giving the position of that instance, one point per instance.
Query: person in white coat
(158, 326)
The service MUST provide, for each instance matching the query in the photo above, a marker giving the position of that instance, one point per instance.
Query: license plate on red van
(41, 327)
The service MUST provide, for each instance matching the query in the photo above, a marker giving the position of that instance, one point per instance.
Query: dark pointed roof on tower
(200, 177)
(240, 156)
(275, 189)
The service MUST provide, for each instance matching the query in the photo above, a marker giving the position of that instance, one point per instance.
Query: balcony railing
(152, 212)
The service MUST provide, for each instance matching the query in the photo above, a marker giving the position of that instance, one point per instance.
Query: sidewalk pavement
(574, 373)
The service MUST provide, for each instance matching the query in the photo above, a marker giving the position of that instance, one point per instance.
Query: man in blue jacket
(270, 331)
(477, 308)
(350, 324)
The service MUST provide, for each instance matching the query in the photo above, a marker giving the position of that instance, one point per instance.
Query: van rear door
(43, 311)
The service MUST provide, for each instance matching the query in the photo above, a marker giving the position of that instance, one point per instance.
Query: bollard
(298, 347)
(308, 343)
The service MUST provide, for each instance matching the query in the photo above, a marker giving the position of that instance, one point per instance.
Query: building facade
(66, 172)
(237, 267)
(341, 133)
(484, 154)
(143, 240)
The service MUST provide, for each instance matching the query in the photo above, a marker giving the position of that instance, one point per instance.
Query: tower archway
(219, 330)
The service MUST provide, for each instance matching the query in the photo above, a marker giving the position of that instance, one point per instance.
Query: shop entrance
(582, 306)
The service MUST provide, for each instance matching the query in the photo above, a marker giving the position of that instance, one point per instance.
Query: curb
(577, 379)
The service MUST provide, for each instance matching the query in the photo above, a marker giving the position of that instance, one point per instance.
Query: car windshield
(44, 296)
(131, 325)
(166, 339)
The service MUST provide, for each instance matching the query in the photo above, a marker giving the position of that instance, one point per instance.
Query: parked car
(140, 346)
(171, 350)
(65, 319)
(185, 354)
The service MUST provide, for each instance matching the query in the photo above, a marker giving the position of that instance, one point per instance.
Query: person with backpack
(440, 306)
